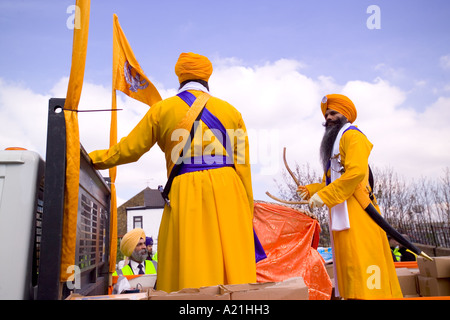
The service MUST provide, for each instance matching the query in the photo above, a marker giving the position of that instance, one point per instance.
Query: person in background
(149, 244)
(395, 247)
(133, 246)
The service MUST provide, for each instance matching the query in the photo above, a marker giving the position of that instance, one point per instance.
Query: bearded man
(133, 246)
(362, 258)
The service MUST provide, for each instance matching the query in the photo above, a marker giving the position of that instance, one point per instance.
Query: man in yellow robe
(362, 258)
(206, 233)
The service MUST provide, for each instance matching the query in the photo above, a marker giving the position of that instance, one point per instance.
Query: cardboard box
(438, 268)
(291, 289)
(433, 287)
(127, 296)
(408, 281)
(203, 293)
(330, 270)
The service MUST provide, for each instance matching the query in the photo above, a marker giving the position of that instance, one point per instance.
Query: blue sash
(213, 162)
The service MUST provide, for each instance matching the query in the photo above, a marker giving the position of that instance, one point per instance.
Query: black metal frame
(52, 220)
(95, 279)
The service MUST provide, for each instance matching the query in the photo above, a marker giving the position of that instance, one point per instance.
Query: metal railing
(435, 234)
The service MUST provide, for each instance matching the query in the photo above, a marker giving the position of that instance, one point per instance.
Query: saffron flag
(128, 76)
(69, 234)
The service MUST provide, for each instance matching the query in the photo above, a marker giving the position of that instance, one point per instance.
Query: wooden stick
(288, 169)
(285, 201)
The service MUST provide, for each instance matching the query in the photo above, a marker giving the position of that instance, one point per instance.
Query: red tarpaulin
(290, 238)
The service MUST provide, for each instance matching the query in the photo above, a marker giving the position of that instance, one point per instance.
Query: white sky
(273, 61)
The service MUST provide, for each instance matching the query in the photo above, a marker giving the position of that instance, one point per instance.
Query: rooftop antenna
(147, 181)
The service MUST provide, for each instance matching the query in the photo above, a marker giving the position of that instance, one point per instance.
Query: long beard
(329, 137)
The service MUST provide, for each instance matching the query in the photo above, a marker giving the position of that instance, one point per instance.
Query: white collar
(193, 85)
(134, 265)
(338, 138)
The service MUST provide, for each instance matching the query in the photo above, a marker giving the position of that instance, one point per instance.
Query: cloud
(410, 141)
(281, 108)
(23, 116)
(24, 124)
(389, 72)
(279, 98)
(444, 62)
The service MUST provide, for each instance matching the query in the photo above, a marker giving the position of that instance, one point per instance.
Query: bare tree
(442, 197)
(391, 191)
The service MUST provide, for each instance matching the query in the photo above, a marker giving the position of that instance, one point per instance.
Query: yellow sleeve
(131, 147)
(355, 150)
(315, 187)
(242, 161)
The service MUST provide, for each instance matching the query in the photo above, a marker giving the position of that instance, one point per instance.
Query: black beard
(326, 147)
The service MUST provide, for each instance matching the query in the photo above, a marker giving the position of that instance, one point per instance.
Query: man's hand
(315, 202)
(303, 192)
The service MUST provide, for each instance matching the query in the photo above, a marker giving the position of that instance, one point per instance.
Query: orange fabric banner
(80, 40)
(290, 239)
(113, 205)
(128, 76)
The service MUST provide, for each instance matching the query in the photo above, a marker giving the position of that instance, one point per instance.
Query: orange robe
(206, 235)
(364, 265)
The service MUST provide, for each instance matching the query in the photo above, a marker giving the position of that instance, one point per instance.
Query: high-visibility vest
(397, 254)
(150, 268)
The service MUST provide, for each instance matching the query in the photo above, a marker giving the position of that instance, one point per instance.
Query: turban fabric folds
(130, 241)
(341, 104)
(192, 66)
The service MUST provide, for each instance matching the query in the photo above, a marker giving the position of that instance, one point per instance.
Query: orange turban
(130, 241)
(192, 66)
(341, 104)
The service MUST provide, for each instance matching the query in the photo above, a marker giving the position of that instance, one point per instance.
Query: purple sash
(213, 162)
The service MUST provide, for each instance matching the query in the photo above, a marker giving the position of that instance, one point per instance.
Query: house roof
(152, 199)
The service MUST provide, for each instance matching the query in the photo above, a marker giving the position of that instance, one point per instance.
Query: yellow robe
(364, 265)
(206, 235)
